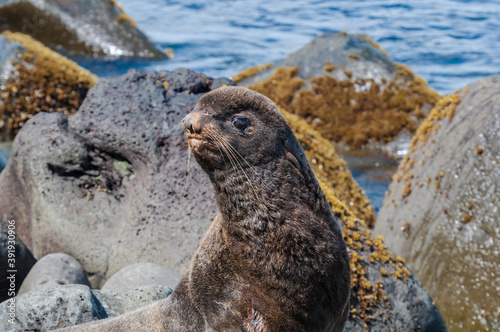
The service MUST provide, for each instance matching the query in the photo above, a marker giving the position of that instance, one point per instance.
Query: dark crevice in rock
(99, 171)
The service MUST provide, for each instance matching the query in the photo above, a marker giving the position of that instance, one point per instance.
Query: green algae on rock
(39, 80)
(348, 89)
(79, 28)
(452, 209)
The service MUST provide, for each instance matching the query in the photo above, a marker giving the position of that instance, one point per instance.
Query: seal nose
(187, 124)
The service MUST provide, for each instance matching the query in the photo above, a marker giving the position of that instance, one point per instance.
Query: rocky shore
(109, 206)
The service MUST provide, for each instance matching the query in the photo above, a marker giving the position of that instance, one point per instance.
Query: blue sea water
(450, 43)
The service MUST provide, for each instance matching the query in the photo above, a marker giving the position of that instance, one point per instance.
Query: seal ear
(290, 156)
(295, 163)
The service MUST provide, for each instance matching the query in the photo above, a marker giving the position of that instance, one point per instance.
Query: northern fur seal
(274, 258)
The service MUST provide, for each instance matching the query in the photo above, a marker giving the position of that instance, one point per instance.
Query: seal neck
(253, 200)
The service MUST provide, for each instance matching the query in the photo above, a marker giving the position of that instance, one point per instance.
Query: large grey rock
(141, 274)
(68, 305)
(54, 270)
(111, 183)
(145, 319)
(92, 27)
(442, 212)
(47, 309)
(338, 50)
(15, 259)
(385, 295)
(116, 304)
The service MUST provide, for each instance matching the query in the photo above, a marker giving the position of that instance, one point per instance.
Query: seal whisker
(220, 145)
(230, 150)
(239, 155)
(226, 146)
(231, 156)
(217, 143)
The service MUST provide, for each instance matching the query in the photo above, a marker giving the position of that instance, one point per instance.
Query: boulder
(79, 28)
(36, 79)
(113, 182)
(50, 308)
(54, 270)
(385, 295)
(145, 319)
(15, 259)
(141, 274)
(347, 88)
(62, 306)
(116, 304)
(442, 210)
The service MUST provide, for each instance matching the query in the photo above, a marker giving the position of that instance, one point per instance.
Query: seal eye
(241, 124)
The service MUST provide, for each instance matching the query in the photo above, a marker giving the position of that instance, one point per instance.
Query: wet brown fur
(274, 258)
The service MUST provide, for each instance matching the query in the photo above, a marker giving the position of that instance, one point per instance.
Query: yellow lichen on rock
(374, 44)
(329, 67)
(352, 112)
(41, 81)
(123, 17)
(365, 295)
(353, 56)
(330, 168)
(445, 108)
(280, 87)
(250, 72)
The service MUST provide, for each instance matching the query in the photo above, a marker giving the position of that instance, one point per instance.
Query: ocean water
(450, 43)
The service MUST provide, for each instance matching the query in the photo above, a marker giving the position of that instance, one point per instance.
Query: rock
(68, 305)
(22, 261)
(79, 28)
(442, 211)
(145, 319)
(141, 274)
(50, 308)
(384, 293)
(347, 88)
(54, 270)
(116, 304)
(356, 54)
(113, 182)
(36, 79)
